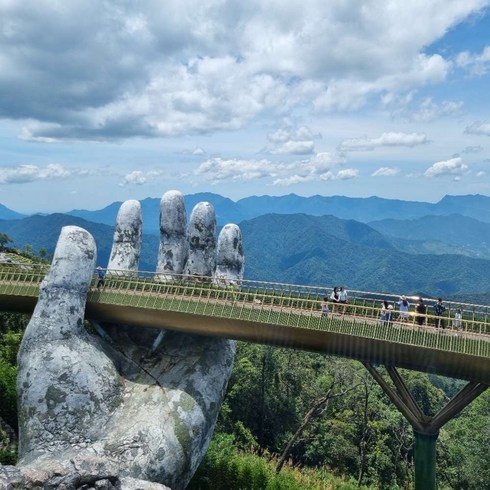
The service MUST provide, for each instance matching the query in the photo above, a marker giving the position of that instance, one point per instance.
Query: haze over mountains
(366, 244)
(360, 209)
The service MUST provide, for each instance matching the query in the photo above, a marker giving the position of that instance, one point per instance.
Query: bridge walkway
(277, 314)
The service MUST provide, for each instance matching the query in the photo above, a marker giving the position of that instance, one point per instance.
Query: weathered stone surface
(202, 241)
(126, 247)
(230, 259)
(13, 478)
(174, 246)
(134, 407)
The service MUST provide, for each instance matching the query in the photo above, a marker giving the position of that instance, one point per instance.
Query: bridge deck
(281, 315)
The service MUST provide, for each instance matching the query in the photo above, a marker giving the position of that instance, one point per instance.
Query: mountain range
(302, 249)
(364, 210)
(364, 243)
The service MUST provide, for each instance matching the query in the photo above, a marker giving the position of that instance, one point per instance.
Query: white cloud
(424, 111)
(385, 172)
(479, 128)
(318, 167)
(198, 151)
(348, 173)
(291, 141)
(386, 139)
(295, 148)
(135, 177)
(481, 173)
(454, 167)
(477, 64)
(112, 70)
(138, 177)
(30, 173)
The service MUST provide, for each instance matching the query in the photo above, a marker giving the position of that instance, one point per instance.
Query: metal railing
(290, 306)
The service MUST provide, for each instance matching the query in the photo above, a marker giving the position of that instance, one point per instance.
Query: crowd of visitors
(402, 310)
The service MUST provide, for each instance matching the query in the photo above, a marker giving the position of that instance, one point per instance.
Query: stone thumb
(61, 305)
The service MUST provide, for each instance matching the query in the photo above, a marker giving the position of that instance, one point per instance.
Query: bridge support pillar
(425, 460)
(425, 427)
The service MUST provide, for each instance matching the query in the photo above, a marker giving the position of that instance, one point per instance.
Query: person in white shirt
(343, 298)
(404, 305)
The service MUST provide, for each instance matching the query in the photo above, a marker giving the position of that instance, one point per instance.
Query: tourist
(458, 319)
(325, 308)
(384, 311)
(343, 298)
(439, 310)
(404, 305)
(422, 310)
(101, 277)
(334, 297)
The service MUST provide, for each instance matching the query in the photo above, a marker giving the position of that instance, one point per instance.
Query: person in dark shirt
(422, 310)
(101, 277)
(439, 310)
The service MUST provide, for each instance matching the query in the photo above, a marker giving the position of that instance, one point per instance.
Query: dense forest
(294, 419)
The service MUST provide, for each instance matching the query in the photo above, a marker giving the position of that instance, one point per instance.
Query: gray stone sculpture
(128, 408)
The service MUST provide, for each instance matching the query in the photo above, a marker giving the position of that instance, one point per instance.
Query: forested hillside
(465, 235)
(320, 421)
(301, 249)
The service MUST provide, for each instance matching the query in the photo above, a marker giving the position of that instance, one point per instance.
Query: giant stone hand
(130, 408)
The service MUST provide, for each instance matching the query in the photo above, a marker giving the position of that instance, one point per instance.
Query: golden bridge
(279, 314)
(288, 315)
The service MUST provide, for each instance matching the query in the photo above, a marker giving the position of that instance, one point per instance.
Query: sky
(108, 100)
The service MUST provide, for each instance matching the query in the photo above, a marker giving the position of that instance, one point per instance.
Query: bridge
(287, 315)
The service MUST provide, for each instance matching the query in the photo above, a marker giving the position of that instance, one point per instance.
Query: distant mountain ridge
(43, 232)
(466, 235)
(299, 249)
(303, 249)
(360, 209)
(6, 213)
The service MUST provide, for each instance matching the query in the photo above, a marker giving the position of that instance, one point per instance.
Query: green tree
(4, 239)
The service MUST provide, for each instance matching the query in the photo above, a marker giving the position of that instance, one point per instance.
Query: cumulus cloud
(479, 128)
(423, 111)
(386, 139)
(348, 173)
(86, 69)
(138, 177)
(30, 173)
(319, 167)
(291, 141)
(454, 167)
(477, 64)
(385, 172)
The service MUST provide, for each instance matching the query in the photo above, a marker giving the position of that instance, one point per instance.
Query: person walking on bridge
(334, 297)
(404, 305)
(422, 310)
(439, 310)
(343, 298)
(101, 277)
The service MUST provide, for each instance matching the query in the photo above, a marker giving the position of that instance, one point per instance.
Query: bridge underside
(374, 351)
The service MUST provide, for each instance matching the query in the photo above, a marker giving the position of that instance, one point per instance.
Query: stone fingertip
(73, 261)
